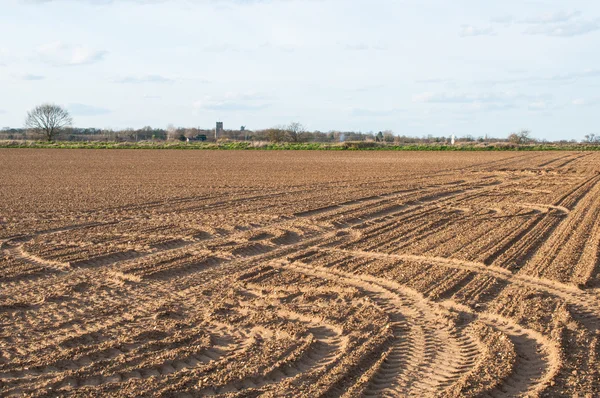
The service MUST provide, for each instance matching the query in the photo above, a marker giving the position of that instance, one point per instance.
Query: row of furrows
(426, 228)
(572, 159)
(431, 231)
(277, 235)
(544, 225)
(554, 160)
(571, 253)
(102, 258)
(359, 212)
(106, 362)
(584, 304)
(298, 198)
(78, 308)
(321, 351)
(521, 243)
(78, 320)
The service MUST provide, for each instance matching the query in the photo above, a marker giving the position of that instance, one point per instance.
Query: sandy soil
(194, 273)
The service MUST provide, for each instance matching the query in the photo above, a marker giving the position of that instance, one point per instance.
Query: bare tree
(522, 137)
(48, 119)
(592, 138)
(295, 131)
(525, 136)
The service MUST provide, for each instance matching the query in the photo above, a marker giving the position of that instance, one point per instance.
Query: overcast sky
(413, 66)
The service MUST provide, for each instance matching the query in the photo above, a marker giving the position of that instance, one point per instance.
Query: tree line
(52, 122)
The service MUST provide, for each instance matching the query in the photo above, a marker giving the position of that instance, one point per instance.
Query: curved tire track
(426, 356)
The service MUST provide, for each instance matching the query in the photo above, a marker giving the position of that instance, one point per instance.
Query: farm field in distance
(300, 273)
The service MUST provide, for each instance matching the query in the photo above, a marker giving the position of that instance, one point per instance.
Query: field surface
(237, 273)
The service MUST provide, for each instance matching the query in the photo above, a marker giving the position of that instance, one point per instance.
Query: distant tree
(48, 119)
(172, 133)
(388, 136)
(521, 137)
(275, 134)
(295, 132)
(352, 136)
(379, 137)
(191, 132)
(318, 136)
(592, 138)
(525, 136)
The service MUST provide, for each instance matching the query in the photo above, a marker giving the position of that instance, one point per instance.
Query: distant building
(218, 130)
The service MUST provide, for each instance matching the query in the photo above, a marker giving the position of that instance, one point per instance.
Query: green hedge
(345, 146)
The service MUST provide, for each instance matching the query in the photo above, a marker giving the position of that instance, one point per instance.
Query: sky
(416, 67)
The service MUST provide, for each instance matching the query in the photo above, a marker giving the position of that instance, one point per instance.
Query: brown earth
(193, 273)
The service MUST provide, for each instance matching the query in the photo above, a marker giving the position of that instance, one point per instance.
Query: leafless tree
(592, 138)
(295, 131)
(522, 137)
(48, 119)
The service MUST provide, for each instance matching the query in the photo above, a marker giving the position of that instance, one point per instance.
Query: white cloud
(364, 47)
(566, 29)
(470, 30)
(61, 54)
(436, 80)
(232, 102)
(460, 98)
(565, 78)
(225, 47)
(503, 20)
(554, 24)
(29, 77)
(553, 17)
(145, 79)
(487, 101)
(538, 106)
(586, 102)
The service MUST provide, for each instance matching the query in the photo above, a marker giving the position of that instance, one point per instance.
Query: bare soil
(241, 274)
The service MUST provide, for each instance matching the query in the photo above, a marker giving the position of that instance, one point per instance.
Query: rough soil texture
(242, 274)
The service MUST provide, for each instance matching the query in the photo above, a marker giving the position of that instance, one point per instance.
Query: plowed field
(316, 274)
